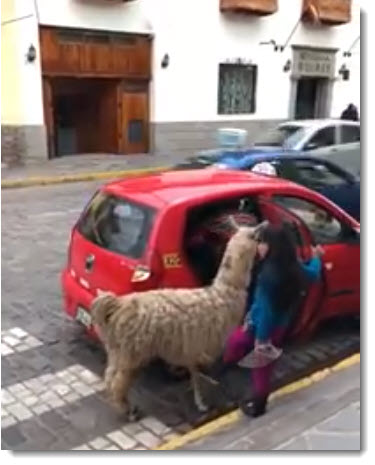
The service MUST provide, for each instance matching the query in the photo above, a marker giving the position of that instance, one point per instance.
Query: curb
(67, 178)
(234, 416)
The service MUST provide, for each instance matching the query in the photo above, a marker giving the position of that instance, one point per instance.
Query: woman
(281, 280)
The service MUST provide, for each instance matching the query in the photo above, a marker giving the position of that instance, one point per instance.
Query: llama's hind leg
(198, 399)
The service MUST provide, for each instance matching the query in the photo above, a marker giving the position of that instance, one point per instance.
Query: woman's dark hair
(282, 266)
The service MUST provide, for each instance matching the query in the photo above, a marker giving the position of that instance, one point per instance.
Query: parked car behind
(335, 140)
(134, 235)
(317, 174)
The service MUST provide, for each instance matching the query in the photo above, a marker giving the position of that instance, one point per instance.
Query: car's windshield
(283, 136)
(117, 224)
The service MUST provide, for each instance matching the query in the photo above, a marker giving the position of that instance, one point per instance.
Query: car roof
(170, 187)
(319, 122)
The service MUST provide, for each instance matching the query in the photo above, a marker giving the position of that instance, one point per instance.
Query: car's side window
(310, 174)
(325, 228)
(322, 138)
(350, 134)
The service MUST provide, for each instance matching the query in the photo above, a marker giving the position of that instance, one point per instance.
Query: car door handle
(328, 266)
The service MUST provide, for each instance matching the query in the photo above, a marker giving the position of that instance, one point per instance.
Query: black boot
(255, 407)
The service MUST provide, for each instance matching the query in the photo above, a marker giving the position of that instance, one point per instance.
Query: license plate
(84, 317)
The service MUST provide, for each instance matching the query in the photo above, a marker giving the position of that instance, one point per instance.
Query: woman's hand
(317, 251)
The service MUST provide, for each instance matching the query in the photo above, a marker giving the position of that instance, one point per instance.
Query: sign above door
(308, 62)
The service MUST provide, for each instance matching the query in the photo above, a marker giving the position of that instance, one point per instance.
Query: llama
(183, 327)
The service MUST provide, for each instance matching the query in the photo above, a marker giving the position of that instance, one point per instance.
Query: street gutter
(80, 177)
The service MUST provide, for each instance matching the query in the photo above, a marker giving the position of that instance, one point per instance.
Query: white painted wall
(26, 77)
(198, 37)
(94, 14)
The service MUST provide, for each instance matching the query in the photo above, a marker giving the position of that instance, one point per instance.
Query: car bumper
(75, 297)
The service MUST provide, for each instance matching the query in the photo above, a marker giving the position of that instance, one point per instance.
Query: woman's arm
(313, 268)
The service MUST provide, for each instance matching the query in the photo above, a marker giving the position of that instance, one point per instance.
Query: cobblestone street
(51, 375)
(52, 393)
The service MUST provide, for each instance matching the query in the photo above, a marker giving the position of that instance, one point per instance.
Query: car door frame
(305, 320)
(348, 222)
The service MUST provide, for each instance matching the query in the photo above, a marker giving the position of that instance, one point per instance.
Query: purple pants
(240, 343)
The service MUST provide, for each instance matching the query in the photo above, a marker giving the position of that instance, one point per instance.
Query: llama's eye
(227, 263)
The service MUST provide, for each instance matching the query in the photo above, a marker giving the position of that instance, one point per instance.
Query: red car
(163, 231)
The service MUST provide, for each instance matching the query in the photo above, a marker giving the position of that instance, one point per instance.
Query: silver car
(336, 140)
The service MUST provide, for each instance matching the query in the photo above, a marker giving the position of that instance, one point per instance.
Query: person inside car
(209, 230)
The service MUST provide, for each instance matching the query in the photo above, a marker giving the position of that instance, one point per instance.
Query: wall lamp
(165, 61)
(31, 54)
(344, 72)
(287, 66)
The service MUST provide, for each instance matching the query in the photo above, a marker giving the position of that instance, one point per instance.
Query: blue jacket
(263, 315)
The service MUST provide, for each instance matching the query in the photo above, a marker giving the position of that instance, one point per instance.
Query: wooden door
(135, 122)
(49, 116)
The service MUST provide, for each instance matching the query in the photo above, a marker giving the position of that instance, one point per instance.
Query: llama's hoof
(202, 407)
(134, 414)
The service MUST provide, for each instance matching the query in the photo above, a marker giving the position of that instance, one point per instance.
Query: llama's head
(102, 308)
(239, 255)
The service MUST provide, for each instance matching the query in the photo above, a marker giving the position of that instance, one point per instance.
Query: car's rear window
(117, 224)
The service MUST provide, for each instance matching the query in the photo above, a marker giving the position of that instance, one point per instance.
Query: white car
(336, 140)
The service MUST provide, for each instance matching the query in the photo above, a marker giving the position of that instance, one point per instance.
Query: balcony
(330, 12)
(253, 7)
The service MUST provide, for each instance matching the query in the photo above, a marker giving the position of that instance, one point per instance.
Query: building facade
(160, 76)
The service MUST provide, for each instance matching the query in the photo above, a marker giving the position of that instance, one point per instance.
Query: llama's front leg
(110, 370)
(119, 390)
(201, 406)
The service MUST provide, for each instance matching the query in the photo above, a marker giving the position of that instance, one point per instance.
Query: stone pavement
(88, 163)
(52, 394)
(325, 416)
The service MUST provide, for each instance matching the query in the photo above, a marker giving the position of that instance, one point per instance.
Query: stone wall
(22, 145)
(186, 138)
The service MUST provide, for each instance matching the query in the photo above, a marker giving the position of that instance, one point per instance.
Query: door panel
(135, 122)
(341, 259)
(305, 318)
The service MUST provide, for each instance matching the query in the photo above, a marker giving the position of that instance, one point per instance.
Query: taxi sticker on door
(172, 260)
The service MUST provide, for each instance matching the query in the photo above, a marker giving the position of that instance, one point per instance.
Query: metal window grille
(237, 89)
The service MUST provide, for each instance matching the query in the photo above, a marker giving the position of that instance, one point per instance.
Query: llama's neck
(236, 275)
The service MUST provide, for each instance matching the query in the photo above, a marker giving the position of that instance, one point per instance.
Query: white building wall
(197, 37)
(24, 26)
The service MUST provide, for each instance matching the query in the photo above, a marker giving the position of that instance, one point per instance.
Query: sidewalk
(324, 416)
(72, 168)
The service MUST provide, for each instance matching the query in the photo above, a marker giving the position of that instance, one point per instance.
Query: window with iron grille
(237, 89)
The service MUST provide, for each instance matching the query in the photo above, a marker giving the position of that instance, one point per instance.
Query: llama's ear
(260, 226)
(233, 222)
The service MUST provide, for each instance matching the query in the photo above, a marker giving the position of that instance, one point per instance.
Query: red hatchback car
(137, 234)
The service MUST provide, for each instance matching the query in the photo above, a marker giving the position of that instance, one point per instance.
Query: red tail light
(141, 273)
